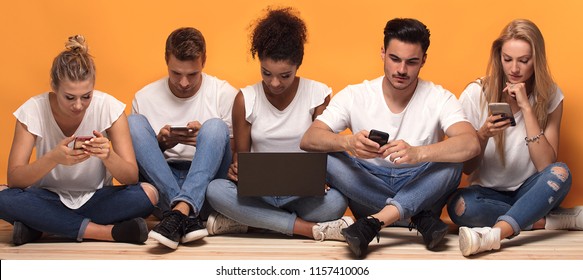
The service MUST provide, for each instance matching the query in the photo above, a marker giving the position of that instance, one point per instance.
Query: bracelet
(534, 138)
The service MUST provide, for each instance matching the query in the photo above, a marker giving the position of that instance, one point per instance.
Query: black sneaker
(130, 231)
(193, 230)
(22, 234)
(170, 229)
(362, 232)
(431, 228)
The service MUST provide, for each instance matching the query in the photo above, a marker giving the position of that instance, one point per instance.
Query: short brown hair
(186, 43)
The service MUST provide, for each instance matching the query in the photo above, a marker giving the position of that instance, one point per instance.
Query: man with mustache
(412, 175)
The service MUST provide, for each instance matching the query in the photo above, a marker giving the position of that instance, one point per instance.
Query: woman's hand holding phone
(98, 146)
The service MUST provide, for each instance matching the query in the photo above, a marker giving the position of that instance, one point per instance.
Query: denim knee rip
(460, 206)
(561, 174)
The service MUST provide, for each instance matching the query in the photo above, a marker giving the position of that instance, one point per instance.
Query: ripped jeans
(536, 197)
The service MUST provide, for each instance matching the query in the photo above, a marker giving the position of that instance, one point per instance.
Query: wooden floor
(395, 243)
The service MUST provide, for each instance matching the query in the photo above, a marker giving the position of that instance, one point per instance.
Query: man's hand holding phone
(169, 135)
(378, 136)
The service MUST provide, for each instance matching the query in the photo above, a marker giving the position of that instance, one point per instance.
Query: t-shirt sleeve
(111, 111)
(470, 102)
(319, 92)
(135, 107)
(337, 114)
(556, 100)
(31, 114)
(227, 95)
(452, 113)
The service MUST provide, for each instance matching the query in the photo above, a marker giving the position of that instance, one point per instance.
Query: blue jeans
(521, 208)
(42, 210)
(369, 187)
(277, 213)
(182, 181)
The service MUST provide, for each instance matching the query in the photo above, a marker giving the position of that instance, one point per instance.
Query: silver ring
(393, 160)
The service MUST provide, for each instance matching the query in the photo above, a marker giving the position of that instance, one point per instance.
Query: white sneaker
(218, 223)
(565, 218)
(476, 240)
(331, 230)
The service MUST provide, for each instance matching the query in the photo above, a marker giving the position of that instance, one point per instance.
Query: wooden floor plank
(395, 244)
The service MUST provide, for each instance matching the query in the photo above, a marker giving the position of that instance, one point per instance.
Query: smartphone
(504, 110)
(79, 141)
(183, 129)
(378, 136)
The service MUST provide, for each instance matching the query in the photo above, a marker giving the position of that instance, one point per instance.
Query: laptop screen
(281, 174)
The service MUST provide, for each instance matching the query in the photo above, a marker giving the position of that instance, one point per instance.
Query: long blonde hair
(543, 86)
(74, 63)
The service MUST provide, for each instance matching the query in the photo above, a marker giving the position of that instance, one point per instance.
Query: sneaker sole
(579, 208)
(353, 244)
(163, 239)
(209, 222)
(466, 241)
(17, 234)
(143, 230)
(437, 237)
(194, 235)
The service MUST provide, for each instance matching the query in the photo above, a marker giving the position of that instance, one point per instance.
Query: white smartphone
(504, 110)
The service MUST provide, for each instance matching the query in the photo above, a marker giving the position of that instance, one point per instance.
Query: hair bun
(76, 43)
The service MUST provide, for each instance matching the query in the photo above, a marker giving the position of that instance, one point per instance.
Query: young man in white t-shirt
(412, 175)
(181, 130)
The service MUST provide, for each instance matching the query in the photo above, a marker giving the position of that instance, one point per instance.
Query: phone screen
(182, 129)
(79, 141)
(378, 136)
(504, 110)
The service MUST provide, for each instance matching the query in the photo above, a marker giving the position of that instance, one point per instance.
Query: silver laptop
(281, 174)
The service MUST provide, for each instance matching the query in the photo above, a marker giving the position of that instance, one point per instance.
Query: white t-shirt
(74, 184)
(430, 112)
(281, 131)
(156, 102)
(519, 167)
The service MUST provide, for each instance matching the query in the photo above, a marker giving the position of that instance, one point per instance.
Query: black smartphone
(183, 129)
(378, 136)
(504, 110)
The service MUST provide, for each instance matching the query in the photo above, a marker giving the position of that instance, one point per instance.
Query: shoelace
(173, 222)
(413, 226)
(374, 221)
(322, 234)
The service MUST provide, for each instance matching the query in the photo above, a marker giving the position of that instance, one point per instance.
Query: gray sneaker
(220, 224)
(565, 218)
(331, 230)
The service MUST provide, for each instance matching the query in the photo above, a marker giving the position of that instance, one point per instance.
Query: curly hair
(279, 35)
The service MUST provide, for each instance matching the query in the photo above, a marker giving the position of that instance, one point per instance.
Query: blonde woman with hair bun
(82, 141)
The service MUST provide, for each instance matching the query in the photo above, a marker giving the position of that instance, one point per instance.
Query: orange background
(127, 40)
